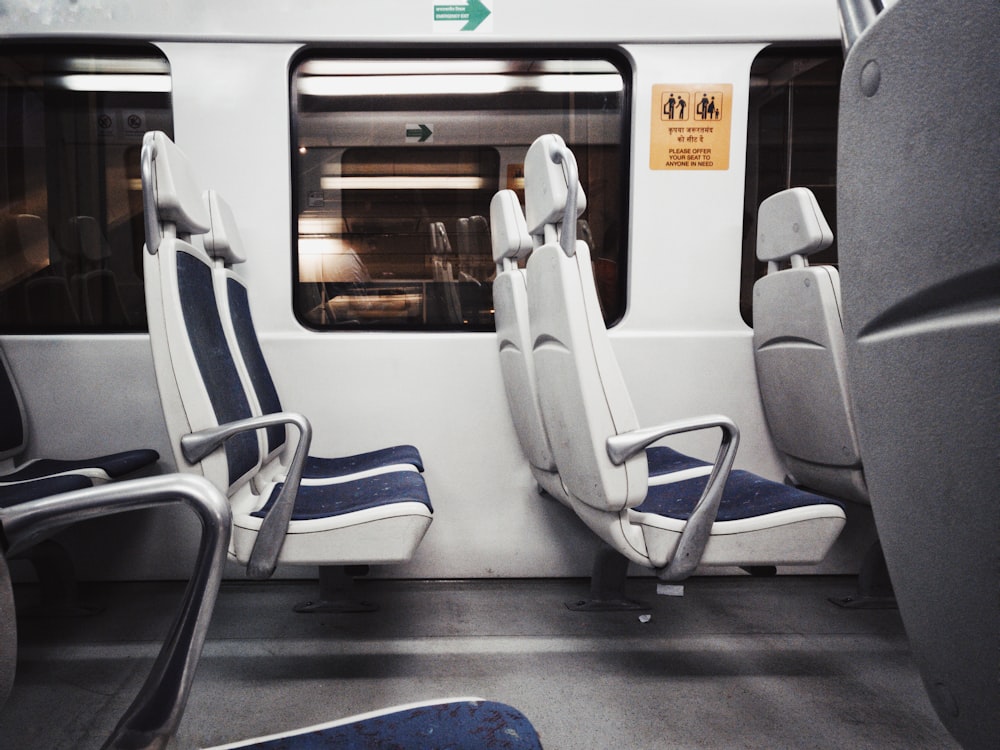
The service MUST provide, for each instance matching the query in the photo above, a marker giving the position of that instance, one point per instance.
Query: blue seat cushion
(326, 500)
(449, 726)
(115, 465)
(663, 460)
(14, 494)
(746, 496)
(318, 468)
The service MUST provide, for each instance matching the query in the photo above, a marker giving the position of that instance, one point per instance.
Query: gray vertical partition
(919, 231)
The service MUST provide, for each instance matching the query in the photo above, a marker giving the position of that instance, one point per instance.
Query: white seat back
(582, 393)
(511, 243)
(200, 384)
(799, 349)
(224, 244)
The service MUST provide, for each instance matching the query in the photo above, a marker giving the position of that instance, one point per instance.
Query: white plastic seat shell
(584, 402)
(385, 533)
(799, 349)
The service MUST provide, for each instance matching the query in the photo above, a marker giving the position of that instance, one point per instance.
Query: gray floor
(735, 663)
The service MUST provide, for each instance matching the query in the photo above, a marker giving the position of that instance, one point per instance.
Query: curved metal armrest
(196, 445)
(623, 447)
(156, 711)
(698, 528)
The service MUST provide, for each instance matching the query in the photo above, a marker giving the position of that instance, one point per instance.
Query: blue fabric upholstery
(663, 460)
(253, 357)
(333, 467)
(270, 401)
(325, 500)
(115, 465)
(222, 380)
(443, 726)
(22, 492)
(746, 496)
(13, 436)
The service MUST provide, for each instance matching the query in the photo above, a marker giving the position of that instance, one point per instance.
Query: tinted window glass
(71, 231)
(396, 161)
(791, 142)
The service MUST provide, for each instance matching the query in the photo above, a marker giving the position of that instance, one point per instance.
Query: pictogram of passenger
(702, 108)
(681, 106)
(668, 108)
(711, 113)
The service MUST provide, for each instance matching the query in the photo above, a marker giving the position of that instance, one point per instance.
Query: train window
(395, 161)
(791, 142)
(71, 230)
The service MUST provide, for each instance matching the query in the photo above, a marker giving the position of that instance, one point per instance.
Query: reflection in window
(71, 230)
(791, 142)
(395, 164)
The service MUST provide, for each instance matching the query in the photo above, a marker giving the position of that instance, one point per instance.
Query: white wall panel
(683, 346)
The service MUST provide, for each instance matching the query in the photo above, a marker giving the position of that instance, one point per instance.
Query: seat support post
(607, 585)
(337, 593)
(874, 586)
(59, 594)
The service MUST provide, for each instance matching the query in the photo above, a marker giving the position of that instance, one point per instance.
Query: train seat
(48, 299)
(448, 306)
(801, 361)
(224, 244)
(352, 519)
(474, 251)
(918, 228)
(37, 247)
(599, 448)
(97, 286)
(799, 349)
(512, 243)
(454, 722)
(14, 438)
(153, 717)
(22, 480)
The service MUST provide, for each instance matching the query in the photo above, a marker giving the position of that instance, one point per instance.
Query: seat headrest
(223, 239)
(508, 229)
(791, 223)
(440, 244)
(545, 186)
(473, 235)
(170, 189)
(89, 243)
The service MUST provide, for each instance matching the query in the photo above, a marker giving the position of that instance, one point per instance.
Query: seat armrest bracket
(698, 528)
(153, 717)
(196, 445)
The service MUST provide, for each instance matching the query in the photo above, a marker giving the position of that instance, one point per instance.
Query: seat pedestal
(337, 592)
(874, 587)
(607, 585)
(58, 591)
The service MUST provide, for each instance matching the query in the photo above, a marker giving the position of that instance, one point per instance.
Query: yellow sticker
(691, 125)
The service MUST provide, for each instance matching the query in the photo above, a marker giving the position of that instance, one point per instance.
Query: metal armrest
(698, 528)
(196, 445)
(156, 711)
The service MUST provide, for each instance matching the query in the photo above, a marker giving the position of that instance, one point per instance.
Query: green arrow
(473, 13)
(422, 132)
(477, 14)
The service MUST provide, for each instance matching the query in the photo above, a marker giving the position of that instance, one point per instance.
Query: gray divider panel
(919, 231)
